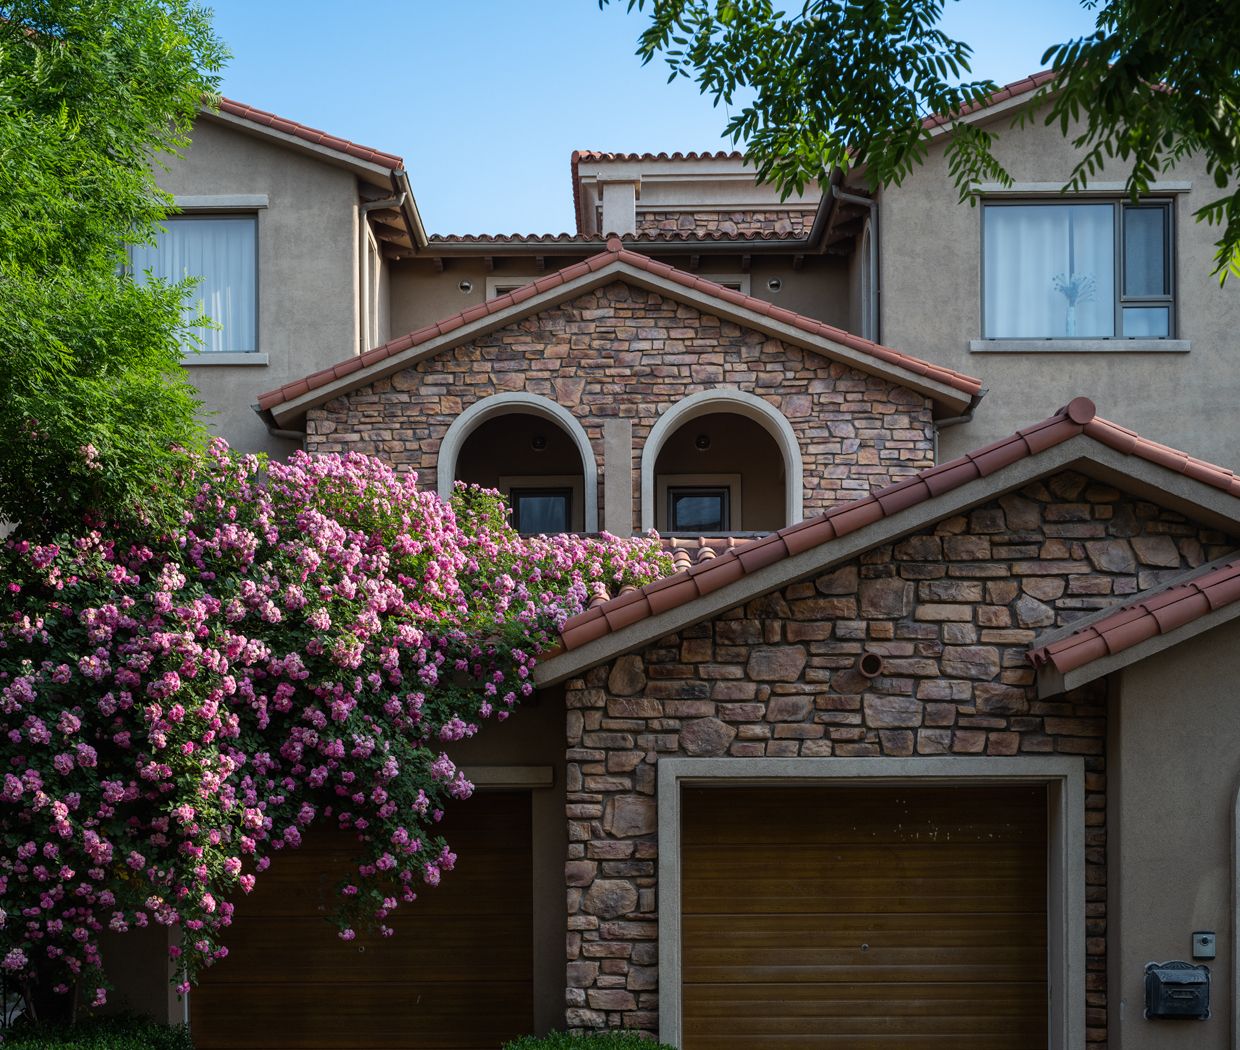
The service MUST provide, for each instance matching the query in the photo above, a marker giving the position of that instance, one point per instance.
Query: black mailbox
(1177, 991)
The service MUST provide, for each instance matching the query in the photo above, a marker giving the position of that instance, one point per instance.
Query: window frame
(675, 490)
(194, 215)
(515, 493)
(1121, 299)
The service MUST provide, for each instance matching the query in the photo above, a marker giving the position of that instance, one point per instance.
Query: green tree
(850, 83)
(97, 410)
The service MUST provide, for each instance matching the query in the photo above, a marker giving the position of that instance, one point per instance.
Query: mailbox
(1177, 991)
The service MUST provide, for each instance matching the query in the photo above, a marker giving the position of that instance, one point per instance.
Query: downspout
(942, 424)
(873, 304)
(270, 423)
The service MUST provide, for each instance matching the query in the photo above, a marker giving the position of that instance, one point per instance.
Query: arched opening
(721, 461)
(535, 464)
(505, 457)
(720, 473)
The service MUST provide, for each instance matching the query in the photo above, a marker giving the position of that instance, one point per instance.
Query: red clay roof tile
(301, 131)
(617, 253)
(1177, 605)
(1071, 420)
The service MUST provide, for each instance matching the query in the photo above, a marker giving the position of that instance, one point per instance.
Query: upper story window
(220, 251)
(1085, 270)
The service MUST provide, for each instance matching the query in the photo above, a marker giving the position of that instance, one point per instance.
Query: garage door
(864, 918)
(457, 975)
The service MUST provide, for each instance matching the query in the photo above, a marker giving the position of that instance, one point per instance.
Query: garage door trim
(1064, 776)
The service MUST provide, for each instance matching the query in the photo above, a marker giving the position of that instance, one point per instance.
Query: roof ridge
(589, 154)
(1077, 417)
(616, 252)
(303, 131)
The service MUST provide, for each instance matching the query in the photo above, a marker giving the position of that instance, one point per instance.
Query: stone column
(618, 476)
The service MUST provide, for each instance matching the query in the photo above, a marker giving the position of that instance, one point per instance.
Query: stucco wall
(307, 270)
(931, 295)
(1174, 770)
(624, 352)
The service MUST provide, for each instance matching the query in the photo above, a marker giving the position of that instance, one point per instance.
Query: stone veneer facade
(953, 609)
(622, 351)
(781, 223)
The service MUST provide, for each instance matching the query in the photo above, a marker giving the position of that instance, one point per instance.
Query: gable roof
(1074, 436)
(302, 131)
(1005, 98)
(1176, 610)
(946, 386)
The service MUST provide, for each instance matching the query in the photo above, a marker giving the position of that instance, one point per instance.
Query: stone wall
(952, 609)
(623, 351)
(779, 223)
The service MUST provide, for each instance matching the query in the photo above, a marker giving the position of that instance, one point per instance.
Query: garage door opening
(457, 974)
(864, 917)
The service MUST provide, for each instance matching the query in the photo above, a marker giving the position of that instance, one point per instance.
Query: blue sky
(487, 99)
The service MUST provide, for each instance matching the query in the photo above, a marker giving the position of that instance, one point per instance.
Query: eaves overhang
(296, 398)
(1208, 504)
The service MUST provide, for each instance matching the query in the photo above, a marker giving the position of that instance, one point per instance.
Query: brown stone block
(1156, 550)
(581, 811)
(816, 749)
(994, 616)
(734, 691)
(679, 690)
(637, 707)
(892, 712)
(966, 548)
(919, 548)
(738, 632)
(799, 732)
(1003, 744)
(658, 742)
(802, 632)
(1070, 745)
(748, 749)
(896, 741)
(1045, 588)
(933, 741)
(956, 613)
(857, 750)
(825, 609)
(584, 698)
(579, 872)
(842, 581)
(838, 702)
(628, 815)
(781, 664)
(788, 708)
(689, 708)
(1076, 726)
(706, 736)
(975, 661)
(940, 714)
(951, 591)
(968, 741)
(904, 666)
(890, 598)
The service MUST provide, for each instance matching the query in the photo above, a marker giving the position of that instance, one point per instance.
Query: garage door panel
(946, 886)
(306, 1016)
(456, 975)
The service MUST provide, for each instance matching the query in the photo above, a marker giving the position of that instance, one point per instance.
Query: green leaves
(852, 83)
(93, 94)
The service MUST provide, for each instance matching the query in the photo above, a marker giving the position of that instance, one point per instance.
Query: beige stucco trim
(742, 403)
(221, 201)
(946, 396)
(1055, 189)
(1064, 776)
(516, 778)
(1136, 476)
(208, 357)
(1118, 345)
(507, 404)
(618, 476)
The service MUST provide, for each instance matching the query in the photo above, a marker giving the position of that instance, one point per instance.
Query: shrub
(613, 1040)
(174, 711)
(99, 1033)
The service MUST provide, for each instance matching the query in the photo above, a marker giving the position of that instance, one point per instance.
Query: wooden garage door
(457, 975)
(864, 918)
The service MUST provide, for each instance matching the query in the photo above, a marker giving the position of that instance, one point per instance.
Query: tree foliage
(852, 83)
(299, 650)
(91, 92)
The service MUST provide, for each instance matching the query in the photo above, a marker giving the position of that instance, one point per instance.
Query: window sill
(199, 360)
(1079, 346)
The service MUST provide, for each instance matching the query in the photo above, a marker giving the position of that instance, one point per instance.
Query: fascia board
(952, 398)
(1080, 453)
(1052, 683)
(990, 112)
(949, 396)
(359, 167)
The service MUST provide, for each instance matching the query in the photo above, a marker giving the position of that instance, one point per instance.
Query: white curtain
(1029, 248)
(221, 252)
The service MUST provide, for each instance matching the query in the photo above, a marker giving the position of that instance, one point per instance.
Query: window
(698, 509)
(1087, 270)
(221, 252)
(541, 510)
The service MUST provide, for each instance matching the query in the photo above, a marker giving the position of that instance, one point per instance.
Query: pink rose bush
(175, 712)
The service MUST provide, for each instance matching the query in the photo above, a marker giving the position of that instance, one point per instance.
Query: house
(929, 738)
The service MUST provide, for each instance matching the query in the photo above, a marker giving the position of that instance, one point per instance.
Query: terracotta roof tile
(650, 236)
(1162, 612)
(1078, 417)
(1017, 87)
(301, 131)
(616, 253)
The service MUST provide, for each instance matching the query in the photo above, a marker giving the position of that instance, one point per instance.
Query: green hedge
(628, 1040)
(98, 1033)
